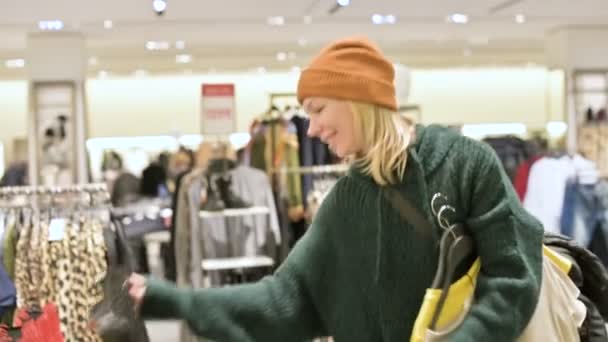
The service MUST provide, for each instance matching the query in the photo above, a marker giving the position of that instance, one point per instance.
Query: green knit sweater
(360, 272)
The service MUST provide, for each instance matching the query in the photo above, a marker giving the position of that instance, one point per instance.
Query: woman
(360, 272)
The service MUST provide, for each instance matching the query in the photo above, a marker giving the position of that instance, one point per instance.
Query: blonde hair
(386, 136)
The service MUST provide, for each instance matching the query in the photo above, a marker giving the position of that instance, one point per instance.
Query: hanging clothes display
(56, 255)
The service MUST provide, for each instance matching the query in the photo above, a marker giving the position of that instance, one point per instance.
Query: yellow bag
(559, 312)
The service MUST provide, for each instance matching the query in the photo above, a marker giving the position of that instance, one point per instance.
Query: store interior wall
(170, 105)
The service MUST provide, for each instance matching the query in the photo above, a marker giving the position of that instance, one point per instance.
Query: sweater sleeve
(281, 307)
(509, 244)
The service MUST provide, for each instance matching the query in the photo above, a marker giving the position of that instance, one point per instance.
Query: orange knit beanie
(350, 69)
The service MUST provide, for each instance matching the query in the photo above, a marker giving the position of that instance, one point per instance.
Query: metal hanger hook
(444, 222)
(436, 197)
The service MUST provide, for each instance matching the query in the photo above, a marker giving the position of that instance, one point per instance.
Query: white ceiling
(233, 34)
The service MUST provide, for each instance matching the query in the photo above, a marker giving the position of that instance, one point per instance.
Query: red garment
(521, 177)
(45, 327)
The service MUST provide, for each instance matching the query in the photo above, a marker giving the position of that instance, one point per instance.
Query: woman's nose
(313, 128)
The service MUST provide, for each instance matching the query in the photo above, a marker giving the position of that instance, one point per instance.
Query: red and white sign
(218, 109)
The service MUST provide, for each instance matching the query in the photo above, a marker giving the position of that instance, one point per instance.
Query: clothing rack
(317, 169)
(46, 190)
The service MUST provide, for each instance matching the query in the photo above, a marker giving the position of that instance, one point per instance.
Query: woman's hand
(136, 285)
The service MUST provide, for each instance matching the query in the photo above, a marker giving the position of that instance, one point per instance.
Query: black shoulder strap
(408, 211)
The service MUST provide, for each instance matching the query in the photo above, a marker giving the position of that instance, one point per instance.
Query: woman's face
(332, 121)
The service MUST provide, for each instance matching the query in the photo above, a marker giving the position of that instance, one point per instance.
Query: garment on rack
(254, 186)
(186, 237)
(312, 151)
(583, 212)
(8, 293)
(512, 151)
(521, 177)
(547, 187)
(113, 317)
(64, 267)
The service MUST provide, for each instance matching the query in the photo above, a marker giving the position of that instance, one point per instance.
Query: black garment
(512, 151)
(114, 317)
(594, 327)
(152, 178)
(15, 175)
(599, 243)
(593, 277)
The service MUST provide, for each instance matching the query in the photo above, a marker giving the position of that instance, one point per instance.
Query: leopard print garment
(68, 272)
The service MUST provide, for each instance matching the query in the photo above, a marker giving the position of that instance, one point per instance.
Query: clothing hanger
(461, 249)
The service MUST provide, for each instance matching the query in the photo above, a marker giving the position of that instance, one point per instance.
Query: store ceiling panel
(235, 34)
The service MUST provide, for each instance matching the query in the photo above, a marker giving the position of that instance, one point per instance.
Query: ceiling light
(281, 56)
(102, 74)
(50, 25)
(180, 44)
(157, 45)
(276, 21)
(183, 59)
(302, 42)
(296, 69)
(458, 18)
(108, 24)
(93, 61)
(159, 6)
(520, 18)
(343, 3)
(390, 19)
(261, 70)
(377, 19)
(15, 63)
(307, 19)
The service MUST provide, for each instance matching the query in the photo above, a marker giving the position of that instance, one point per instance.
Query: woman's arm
(278, 308)
(509, 243)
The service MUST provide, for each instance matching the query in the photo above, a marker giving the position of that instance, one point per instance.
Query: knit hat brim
(329, 83)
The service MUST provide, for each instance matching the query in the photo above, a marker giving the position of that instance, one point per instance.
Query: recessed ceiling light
(102, 74)
(159, 6)
(157, 45)
(261, 70)
(343, 3)
(281, 56)
(377, 19)
(458, 18)
(390, 19)
(520, 18)
(108, 24)
(302, 42)
(296, 69)
(276, 21)
(183, 59)
(16, 63)
(180, 44)
(93, 61)
(307, 19)
(50, 25)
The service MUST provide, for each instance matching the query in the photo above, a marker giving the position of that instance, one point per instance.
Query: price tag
(57, 229)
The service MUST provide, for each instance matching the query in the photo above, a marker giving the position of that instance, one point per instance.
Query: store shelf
(235, 212)
(222, 264)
